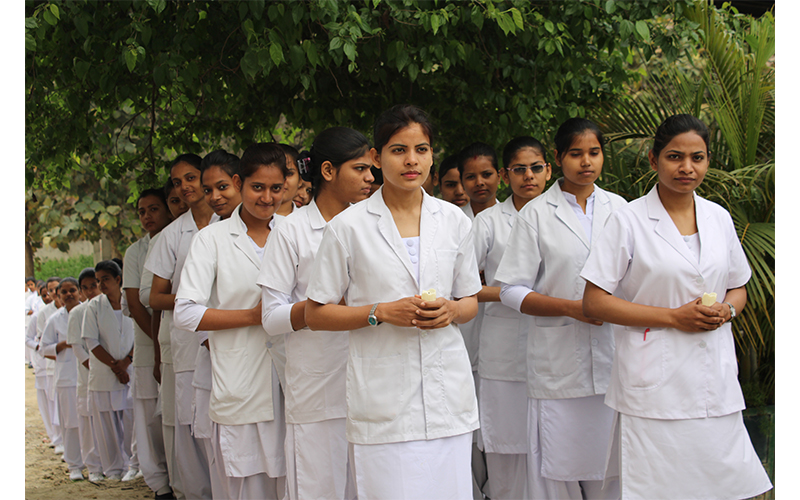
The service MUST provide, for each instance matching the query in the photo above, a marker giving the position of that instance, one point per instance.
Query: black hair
(51, 279)
(87, 272)
(118, 261)
(396, 118)
(676, 125)
(571, 129)
(475, 150)
(448, 164)
(41, 285)
(190, 158)
(293, 153)
(158, 193)
(516, 144)
(229, 163)
(377, 175)
(337, 145)
(30, 278)
(262, 154)
(168, 187)
(69, 279)
(109, 266)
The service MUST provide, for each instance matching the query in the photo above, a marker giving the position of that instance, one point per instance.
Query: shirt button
(269, 345)
(413, 259)
(594, 342)
(702, 344)
(410, 243)
(412, 251)
(700, 280)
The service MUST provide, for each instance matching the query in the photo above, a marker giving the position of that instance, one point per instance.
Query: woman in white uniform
(89, 449)
(502, 396)
(218, 293)
(109, 338)
(569, 356)
(166, 261)
(217, 171)
(338, 167)
(154, 216)
(54, 343)
(410, 394)
(678, 426)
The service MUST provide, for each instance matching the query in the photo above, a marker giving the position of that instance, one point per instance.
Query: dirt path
(46, 476)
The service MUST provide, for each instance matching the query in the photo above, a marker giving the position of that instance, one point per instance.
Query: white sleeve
(30, 333)
(49, 338)
(513, 295)
(330, 276)
(80, 352)
(92, 343)
(276, 311)
(188, 314)
(90, 328)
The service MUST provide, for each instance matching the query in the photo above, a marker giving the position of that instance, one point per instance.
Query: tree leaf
(643, 30)
(276, 53)
(130, 59)
(350, 50)
(435, 23)
(336, 42)
(54, 10)
(517, 15)
(611, 6)
(548, 25)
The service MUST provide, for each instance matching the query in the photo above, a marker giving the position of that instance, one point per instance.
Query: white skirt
(573, 436)
(143, 384)
(110, 400)
(250, 449)
(317, 460)
(503, 412)
(439, 468)
(702, 458)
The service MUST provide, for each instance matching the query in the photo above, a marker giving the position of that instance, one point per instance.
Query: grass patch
(62, 268)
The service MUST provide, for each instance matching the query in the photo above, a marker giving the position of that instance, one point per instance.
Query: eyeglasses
(537, 168)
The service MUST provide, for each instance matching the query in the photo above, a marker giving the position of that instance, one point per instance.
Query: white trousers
(167, 392)
(259, 486)
(110, 435)
(190, 453)
(436, 469)
(150, 443)
(44, 411)
(317, 462)
(89, 453)
(68, 421)
(509, 476)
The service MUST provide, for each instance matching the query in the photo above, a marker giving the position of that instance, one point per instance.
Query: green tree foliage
(62, 268)
(120, 87)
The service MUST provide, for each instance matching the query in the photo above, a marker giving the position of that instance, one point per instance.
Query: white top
(403, 384)
(503, 331)
(219, 273)
(467, 209)
(41, 321)
(585, 218)
(55, 331)
(316, 361)
(132, 278)
(166, 260)
(74, 338)
(643, 259)
(546, 251)
(145, 285)
(101, 324)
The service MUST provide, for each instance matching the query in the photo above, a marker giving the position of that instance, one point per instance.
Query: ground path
(46, 476)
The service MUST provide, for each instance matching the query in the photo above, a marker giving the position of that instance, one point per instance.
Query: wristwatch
(372, 319)
(733, 310)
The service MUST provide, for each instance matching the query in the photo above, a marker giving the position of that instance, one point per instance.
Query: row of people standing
(388, 410)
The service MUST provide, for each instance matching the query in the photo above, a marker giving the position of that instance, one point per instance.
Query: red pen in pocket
(645, 334)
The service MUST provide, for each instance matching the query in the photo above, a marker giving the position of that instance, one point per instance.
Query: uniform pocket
(376, 392)
(641, 358)
(226, 375)
(555, 350)
(457, 382)
(500, 339)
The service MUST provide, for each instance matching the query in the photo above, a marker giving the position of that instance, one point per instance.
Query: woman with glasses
(502, 396)
(568, 355)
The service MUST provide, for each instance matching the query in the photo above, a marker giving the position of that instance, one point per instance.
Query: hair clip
(304, 163)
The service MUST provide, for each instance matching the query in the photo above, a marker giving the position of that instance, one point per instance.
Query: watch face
(372, 320)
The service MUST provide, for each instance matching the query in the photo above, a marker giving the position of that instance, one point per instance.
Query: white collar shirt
(642, 258)
(403, 384)
(316, 361)
(219, 273)
(503, 331)
(545, 252)
(55, 331)
(100, 323)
